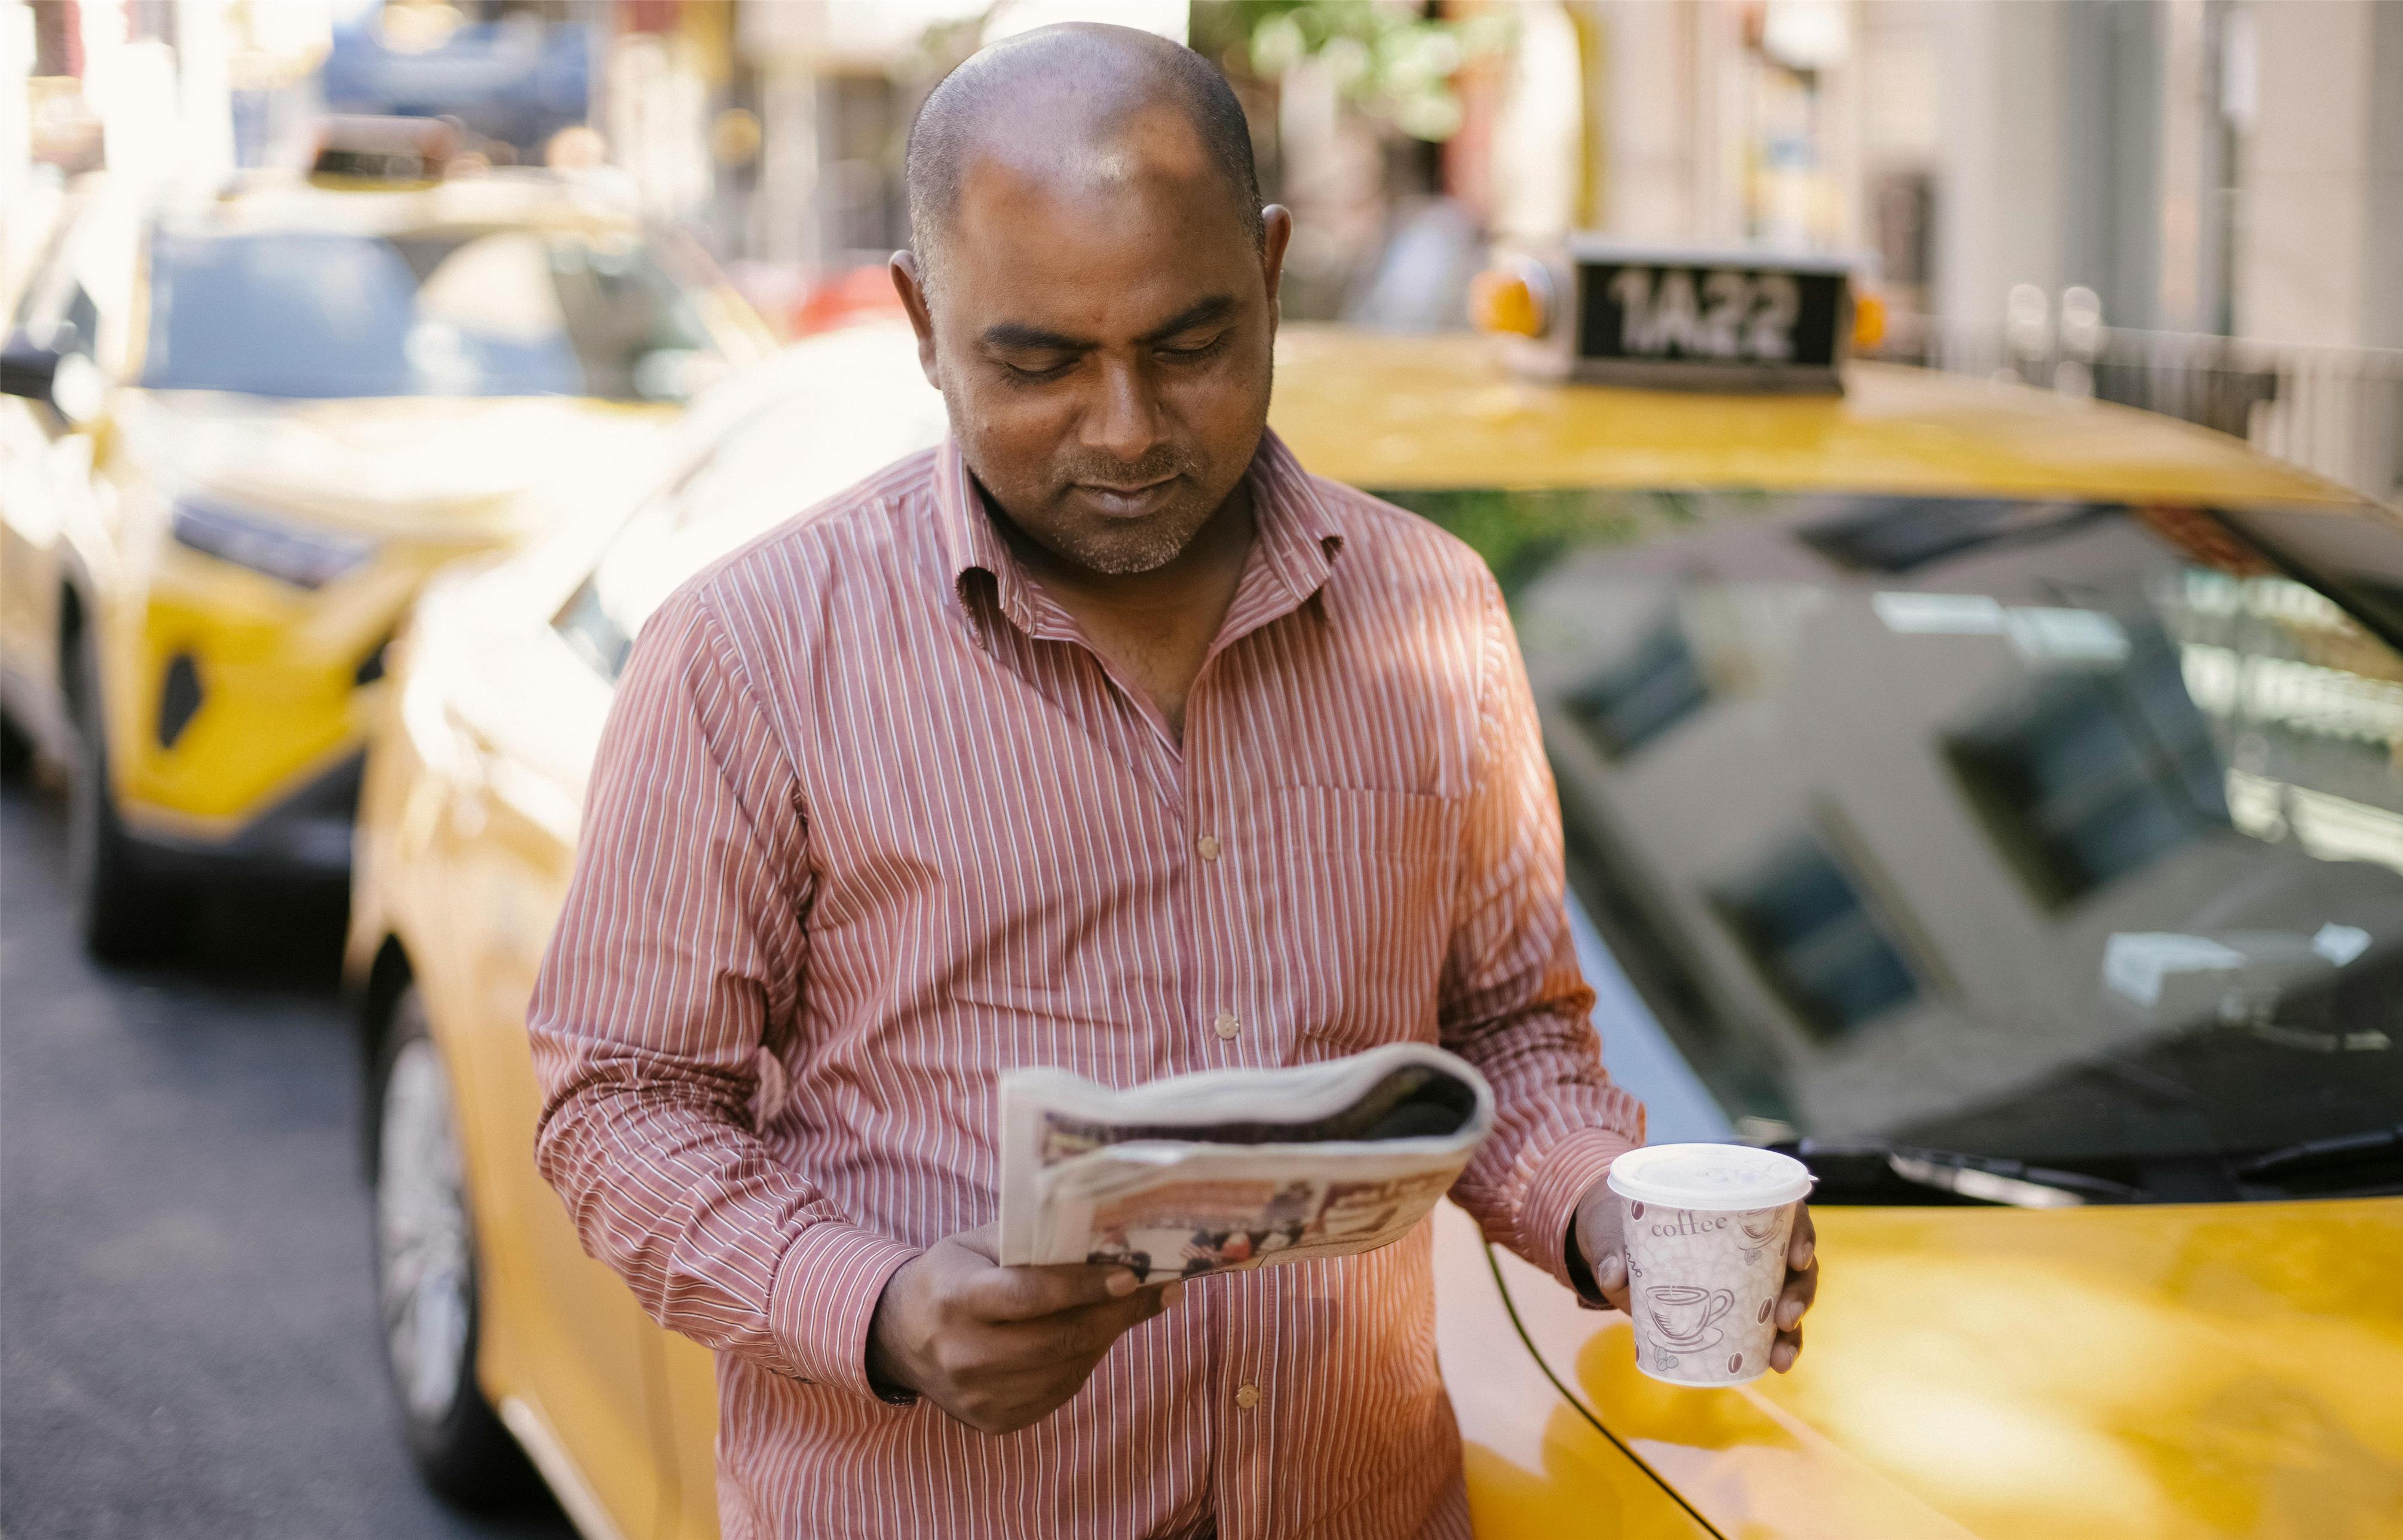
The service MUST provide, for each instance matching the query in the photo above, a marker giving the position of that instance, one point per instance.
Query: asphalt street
(187, 1341)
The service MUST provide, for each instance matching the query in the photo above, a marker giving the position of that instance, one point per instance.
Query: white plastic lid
(1710, 1177)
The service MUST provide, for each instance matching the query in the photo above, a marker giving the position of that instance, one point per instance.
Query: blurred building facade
(2198, 166)
(2220, 166)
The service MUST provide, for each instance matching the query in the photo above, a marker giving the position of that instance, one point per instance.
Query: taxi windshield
(2063, 833)
(452, 312)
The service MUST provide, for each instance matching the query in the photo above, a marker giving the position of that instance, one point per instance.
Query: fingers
(1601, 1232)
(999, 1348)
(1610, 1277)
(1028, 1294)
(1006, 1406)
(1068, 1336)
(1010, 1375)
(1800, 1289)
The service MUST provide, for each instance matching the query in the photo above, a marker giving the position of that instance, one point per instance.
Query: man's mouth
(1126, 501)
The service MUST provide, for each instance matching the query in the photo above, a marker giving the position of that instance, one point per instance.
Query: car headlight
(309, 558)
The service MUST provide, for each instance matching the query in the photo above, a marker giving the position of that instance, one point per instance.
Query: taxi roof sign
(1739, 321)
(397, 151)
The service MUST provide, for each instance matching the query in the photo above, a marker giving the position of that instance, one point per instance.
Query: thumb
(1610, 1269)
(1602, 1230)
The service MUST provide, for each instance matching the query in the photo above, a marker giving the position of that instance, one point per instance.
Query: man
(1103, 736)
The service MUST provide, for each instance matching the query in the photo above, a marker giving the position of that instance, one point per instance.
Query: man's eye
(1036, 374)
(1185, 353)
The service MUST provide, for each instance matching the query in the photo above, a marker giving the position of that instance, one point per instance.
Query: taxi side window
(78, 327)
(790, 453)
(72, 326)
(56, 312)
(594, 636)
(30, 298)
(599, 619)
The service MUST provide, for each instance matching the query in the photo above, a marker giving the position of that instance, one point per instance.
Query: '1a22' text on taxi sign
(1782, 323)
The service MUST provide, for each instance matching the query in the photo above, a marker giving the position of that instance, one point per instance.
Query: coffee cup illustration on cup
(1683, 1314)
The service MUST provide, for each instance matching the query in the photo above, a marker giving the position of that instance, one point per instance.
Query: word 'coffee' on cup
(1706, 1231)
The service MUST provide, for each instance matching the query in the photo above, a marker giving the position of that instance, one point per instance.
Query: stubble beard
(1124, 553)
(1115, 549)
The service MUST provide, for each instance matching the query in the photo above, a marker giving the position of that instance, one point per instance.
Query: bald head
(1079, 103)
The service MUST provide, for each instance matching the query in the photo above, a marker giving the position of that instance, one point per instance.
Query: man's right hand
(1000, 1348)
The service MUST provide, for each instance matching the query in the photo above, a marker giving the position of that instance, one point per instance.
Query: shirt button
(1247, 1397)
(1227, 1026)
(1209, 847)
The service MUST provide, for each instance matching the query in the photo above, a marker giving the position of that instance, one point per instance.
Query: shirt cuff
(824, 1298)
(1567, 1173)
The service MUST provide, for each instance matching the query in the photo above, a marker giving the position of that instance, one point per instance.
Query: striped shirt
(872, 825)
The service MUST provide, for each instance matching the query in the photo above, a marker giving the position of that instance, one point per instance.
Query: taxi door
(568, 1336)
(691, 1434)
(45, 466)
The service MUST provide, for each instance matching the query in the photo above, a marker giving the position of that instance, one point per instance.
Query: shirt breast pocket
(1358, 913)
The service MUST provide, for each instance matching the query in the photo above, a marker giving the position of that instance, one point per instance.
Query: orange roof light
(1514, 298)
(1869, 318)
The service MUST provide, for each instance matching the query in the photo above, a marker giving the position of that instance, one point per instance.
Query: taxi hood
(2183, 1372)
(444, 469)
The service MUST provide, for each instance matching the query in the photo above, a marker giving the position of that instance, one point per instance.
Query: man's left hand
(1600, 1233)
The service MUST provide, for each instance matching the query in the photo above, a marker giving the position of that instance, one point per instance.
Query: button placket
(1248, 1415)
(1209, 888)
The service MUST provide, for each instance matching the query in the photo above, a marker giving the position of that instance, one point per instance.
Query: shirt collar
(1295, 528)
(972, 544)
(1295, 540)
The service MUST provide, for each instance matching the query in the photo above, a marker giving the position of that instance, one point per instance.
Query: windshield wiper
(1986, 1178)
(2341, 1149)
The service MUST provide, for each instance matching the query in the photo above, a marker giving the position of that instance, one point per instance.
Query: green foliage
(1385, 56)
(1522, 532)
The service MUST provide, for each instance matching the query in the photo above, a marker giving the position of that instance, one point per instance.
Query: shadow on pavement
(243, 931)
(188, 1339)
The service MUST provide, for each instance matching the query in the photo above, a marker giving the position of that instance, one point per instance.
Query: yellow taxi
(1995, 800)
(238, 434)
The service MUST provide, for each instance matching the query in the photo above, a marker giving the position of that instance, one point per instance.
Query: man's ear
(1276, 222)
(910, 283)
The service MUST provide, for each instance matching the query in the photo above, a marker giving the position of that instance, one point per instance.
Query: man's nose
(1126, 421)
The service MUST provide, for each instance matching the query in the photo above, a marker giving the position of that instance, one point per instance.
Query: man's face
(1100, 331)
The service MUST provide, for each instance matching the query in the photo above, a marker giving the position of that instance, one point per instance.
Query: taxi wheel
(425, 1275)
(126, 913)
(15, 750)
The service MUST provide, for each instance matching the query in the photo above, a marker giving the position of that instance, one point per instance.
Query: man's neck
(1156, 626)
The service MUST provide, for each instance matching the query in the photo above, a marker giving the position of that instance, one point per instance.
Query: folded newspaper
(1230, 1168)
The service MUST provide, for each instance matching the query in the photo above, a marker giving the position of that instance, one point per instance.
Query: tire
(427, 1301)
(125, 913)
(16, 751)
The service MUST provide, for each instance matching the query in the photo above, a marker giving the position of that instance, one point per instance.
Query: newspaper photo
(1231, 1169)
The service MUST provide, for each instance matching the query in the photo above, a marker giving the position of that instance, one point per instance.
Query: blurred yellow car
(1996, 801)
(239, 435)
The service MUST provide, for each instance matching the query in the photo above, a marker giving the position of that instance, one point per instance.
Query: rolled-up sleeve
(679, 956)
(1514, 1003)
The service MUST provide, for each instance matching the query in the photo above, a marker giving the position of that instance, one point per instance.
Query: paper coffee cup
(1706, 1232)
